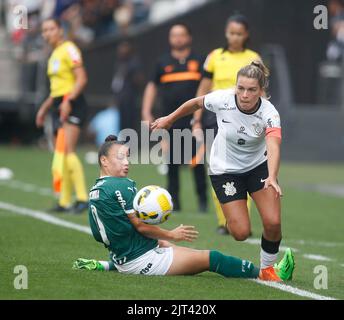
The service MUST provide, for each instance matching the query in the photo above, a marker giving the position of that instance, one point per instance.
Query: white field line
(257, 241)
(44, 217)
(60, 222)
(26, 187)
(293, 290)
(317, 257)
(318, 243)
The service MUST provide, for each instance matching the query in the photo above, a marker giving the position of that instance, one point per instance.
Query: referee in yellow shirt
(220, 72)
(67, 81)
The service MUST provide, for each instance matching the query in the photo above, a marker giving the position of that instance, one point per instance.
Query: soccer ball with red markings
(153, 204)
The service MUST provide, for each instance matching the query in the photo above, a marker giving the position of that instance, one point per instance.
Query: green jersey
(111, 200)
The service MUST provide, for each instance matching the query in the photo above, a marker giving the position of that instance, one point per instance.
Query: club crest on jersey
(230, 190)
(257, 129)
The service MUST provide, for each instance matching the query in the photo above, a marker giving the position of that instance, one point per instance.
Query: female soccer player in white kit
(244, 157)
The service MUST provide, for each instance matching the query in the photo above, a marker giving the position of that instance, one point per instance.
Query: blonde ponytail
(256, 70)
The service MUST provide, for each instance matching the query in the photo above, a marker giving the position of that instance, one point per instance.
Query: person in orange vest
(177, 76)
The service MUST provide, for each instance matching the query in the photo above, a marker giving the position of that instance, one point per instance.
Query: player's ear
(103, 160)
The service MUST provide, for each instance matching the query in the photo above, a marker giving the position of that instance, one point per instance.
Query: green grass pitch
(313, 223)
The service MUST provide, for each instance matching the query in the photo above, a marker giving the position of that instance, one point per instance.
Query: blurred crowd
(87, 20)
(335, 49)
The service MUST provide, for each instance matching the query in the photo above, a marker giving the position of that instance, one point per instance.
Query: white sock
(267, 259)
(105, 264)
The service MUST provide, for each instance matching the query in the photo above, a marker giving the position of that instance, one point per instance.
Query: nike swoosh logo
(224, 121)
(262, 180)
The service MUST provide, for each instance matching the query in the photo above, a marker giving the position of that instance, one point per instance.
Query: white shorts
(155, 262)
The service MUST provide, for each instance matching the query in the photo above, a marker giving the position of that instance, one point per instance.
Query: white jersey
(239, 145)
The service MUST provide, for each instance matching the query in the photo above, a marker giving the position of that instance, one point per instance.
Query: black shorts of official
(231, 187)
(77, 115)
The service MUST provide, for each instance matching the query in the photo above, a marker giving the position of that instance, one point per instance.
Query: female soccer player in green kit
(139, 248)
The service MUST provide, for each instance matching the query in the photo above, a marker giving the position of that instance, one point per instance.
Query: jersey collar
(245, 112)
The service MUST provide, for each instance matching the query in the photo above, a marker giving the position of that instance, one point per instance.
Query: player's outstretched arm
(185, 109)
(181, 233)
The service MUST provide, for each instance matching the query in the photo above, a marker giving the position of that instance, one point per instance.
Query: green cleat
(286, 266)
(87, 264)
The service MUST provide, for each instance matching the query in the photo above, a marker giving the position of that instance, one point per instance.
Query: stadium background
(306, 87)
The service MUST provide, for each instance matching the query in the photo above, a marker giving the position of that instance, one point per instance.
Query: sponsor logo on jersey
(94, 195)
(241, 142)
(133, 189)
(224, 121)
(145, 270)
(226, 108)
(242, 130)
(230, 190)
(269, 123)
(120, 199)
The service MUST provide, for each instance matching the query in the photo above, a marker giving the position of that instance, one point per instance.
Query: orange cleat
(269, 274)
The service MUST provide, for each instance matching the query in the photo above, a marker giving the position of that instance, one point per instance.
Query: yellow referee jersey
(222, 66)
(62, 61)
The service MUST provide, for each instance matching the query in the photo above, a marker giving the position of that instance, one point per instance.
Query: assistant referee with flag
(67, 81)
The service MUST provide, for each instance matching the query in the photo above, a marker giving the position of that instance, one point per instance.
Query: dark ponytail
(105, 147)
(110, 138)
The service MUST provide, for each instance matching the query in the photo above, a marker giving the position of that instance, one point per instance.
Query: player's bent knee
(241, 235)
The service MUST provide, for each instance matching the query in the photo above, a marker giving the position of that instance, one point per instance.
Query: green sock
(107, 266)
(233, 267)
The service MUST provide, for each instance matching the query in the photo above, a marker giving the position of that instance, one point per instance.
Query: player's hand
(161, 123)
(40, 118)
(184, 233)
(270, 182)
(65, 110)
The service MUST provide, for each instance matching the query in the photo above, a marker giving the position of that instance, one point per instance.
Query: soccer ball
(153, 204)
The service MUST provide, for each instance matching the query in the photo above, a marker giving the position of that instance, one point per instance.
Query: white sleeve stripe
(129, 211)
